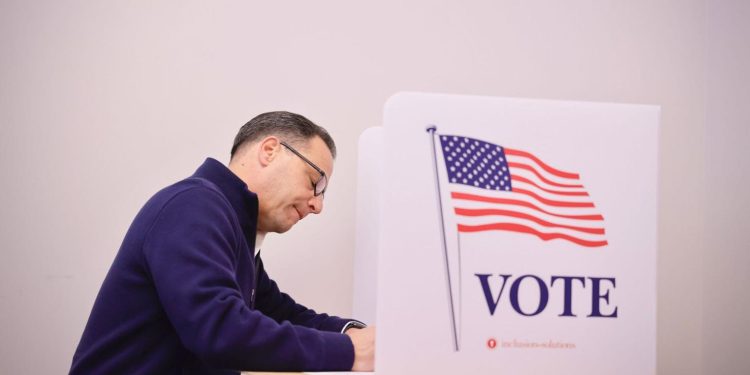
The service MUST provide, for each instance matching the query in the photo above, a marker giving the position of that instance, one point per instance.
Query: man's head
(281, 156)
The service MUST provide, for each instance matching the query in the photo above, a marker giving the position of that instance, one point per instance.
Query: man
(187, 292)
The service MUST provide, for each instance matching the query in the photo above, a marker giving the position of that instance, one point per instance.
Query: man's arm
(281, 307)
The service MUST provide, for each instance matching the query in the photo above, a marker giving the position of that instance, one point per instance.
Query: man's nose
(316, 204)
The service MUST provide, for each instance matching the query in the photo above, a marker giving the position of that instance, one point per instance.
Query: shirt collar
(244, 201)
(259, 242)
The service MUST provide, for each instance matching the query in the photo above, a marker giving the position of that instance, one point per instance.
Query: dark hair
(293, 128)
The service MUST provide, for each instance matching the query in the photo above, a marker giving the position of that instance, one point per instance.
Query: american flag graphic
(497, 188)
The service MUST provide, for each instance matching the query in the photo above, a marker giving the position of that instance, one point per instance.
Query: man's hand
(364, 348)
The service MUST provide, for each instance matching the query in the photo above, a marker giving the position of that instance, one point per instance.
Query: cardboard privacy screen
(516, 236)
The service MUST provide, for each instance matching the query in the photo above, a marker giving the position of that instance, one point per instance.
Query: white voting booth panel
(367, 219)
(515, 236)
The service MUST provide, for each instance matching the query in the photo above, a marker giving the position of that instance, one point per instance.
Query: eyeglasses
(319, 186)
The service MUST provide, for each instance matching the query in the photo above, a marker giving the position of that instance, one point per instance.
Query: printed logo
(491, 343)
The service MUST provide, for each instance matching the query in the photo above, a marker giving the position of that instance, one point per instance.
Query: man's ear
(268, 150)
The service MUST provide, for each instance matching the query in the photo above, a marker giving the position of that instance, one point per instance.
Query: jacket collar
(244, 201)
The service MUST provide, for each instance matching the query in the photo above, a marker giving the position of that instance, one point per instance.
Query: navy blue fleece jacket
(185, 295)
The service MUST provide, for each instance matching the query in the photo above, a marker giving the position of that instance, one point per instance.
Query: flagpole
(432, 129)
(460, 327)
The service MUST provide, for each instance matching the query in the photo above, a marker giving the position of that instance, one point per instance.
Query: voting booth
(511, 235)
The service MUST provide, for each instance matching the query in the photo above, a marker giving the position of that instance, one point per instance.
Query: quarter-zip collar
(244, 201)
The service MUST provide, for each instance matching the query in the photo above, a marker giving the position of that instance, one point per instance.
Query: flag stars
(475, 163)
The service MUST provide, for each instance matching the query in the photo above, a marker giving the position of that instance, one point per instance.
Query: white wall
(104, 102)
(726, 255)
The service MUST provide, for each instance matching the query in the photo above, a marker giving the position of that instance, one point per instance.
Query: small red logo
(491, 343)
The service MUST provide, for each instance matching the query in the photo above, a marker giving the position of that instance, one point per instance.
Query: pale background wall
(104, 102)
(726, 254)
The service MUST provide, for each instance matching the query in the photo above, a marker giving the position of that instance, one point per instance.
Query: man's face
(289, 196)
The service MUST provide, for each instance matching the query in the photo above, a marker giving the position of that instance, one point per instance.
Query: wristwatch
(353, 324)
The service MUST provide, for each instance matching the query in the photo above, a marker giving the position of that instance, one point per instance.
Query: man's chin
(279, 227)
(287, 226)
(284, 230)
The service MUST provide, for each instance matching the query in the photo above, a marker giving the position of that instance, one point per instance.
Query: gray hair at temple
(293, 128)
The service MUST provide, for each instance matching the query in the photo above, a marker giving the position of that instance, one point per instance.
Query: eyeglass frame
(317, 169)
